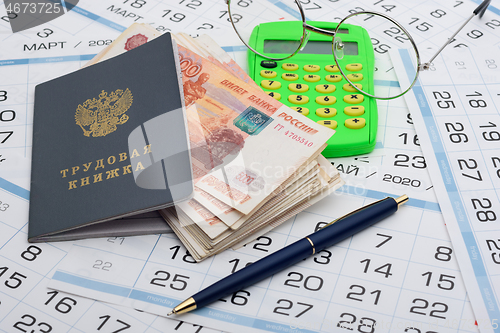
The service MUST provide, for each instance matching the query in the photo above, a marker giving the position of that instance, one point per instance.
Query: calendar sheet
(456, 107)
(398, 275)
(45, 52)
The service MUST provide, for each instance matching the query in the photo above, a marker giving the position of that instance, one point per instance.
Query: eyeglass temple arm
(479, 10)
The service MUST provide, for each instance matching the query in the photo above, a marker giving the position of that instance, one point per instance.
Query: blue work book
(109, 141)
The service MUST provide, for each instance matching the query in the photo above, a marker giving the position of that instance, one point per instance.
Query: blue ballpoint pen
(327, 236)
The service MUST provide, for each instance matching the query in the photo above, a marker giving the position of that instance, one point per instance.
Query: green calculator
(310, 82)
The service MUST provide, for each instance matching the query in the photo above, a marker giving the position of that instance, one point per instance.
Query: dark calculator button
(268, 64)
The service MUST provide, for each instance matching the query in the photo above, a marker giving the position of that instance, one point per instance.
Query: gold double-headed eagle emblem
(100, 116)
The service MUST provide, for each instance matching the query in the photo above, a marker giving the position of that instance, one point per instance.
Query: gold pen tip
(402, 200)
(170, 313)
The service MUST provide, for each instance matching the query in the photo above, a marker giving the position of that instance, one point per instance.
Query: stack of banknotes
(256, 162)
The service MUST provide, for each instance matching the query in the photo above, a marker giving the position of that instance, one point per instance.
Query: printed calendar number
(443, 253)
(136, 3)
(3, 205)
(455, 130)
(15, 280)
(25, 325)
(31, 253)
(470, 164)
(236, 264)
(64, 305)
(239, 298)
(444, 282)
(492, 135)
(422, 308)
(116, 240)
(494, 247)
(7, 115)
(179, 282)
(419, 25)
(181, 324)
(443, 99)
(409, 139)
(311, 282)
(105, 266)
(322, 257)
(359, 290)
(117, 325)
(383, 269)
(186, 257)
(483, 213)
(403, 160)
(172, 16)
(386, 239)
(3, 95)
(350, 322)
(5, 135)
(236, 17)
(191, 4)
(288, 305)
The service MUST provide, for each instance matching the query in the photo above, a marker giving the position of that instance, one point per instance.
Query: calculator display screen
(312, 47)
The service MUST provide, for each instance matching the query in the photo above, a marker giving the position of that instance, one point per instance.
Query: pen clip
(355, 211)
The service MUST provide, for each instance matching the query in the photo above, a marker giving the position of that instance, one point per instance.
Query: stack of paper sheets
(255, 161)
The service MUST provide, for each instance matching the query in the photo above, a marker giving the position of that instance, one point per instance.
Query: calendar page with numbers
(43, 52)
(399, 275)
(456, 108)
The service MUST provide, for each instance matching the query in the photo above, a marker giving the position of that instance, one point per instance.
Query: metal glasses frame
(337, 45)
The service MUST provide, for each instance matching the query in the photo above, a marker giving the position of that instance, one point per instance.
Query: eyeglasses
(346, 41)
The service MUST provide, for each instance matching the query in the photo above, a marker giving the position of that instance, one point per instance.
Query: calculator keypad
(271, 85)
(349, 88)
(328, 123)
(290, 76)
(268, 74)
(298, 99)
(312, 68)
(320, 93)
(326, 112)
(325, 88)
(354, 111)
(354, 98)
(298, 87)
(355, 123)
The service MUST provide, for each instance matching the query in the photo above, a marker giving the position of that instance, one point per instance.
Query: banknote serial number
(34, 8)
(298, 138)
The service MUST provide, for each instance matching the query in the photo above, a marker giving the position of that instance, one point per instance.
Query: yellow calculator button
(326, 112)
(328, 123)
(349, 88)
(333, 78)
(290, 76)
(300, 109)
(275, 95)
(311, 68)
(290, 67)
(355, 123)
(326, 100)
(354, 67)
(325, 88)
(268, 74)
(354, 98)
(268, 84)
(356, 77)
(354, 111)
(298, 99)
(298, 87)
(312, 78)
(332, 68)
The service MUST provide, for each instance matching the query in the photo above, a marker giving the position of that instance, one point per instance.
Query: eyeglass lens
(246, 15)
(360, 52)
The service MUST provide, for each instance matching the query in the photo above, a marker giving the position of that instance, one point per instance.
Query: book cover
(109, 141)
